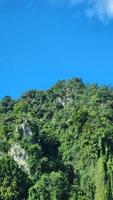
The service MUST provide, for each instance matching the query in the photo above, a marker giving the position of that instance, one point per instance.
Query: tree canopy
(57, 144)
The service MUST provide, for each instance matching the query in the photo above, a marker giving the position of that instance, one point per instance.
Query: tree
(14, 183)
(53, 186)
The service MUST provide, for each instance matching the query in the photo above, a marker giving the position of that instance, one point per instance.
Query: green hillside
(57, 144)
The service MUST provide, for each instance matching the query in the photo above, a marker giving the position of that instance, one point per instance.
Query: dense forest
(57, 144)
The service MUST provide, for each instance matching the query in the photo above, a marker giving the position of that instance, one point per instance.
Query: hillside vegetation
(57, 144)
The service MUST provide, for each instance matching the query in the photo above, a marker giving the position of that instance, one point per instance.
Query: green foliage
(14, 182)
(57, 144)
(51, 186)
(102, 189)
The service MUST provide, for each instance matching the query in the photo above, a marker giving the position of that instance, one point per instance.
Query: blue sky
(43, 41)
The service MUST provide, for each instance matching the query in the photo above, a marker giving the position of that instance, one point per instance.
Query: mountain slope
(57, 144)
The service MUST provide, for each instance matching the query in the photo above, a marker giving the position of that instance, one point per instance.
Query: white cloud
(102, 9)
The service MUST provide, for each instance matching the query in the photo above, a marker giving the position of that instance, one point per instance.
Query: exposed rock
(61, 101)
(19, 155)
(25, 129)
(64, 100)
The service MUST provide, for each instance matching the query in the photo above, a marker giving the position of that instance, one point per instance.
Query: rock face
(16, 151)
(25, 129)
(64, 100)
(19, 155)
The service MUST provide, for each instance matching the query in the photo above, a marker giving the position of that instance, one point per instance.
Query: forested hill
(57, 144)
